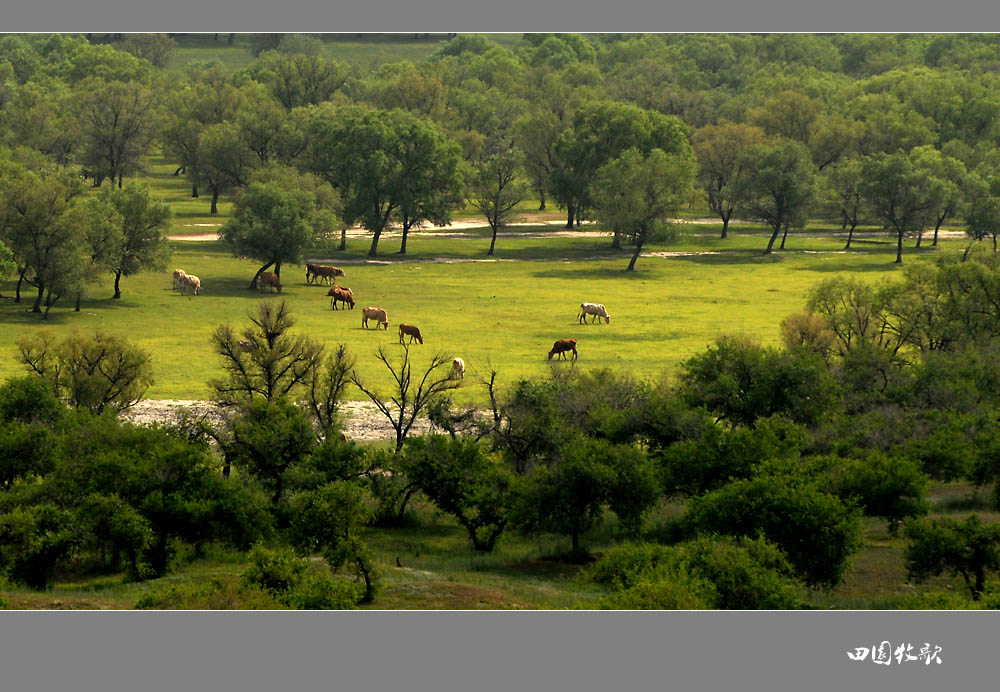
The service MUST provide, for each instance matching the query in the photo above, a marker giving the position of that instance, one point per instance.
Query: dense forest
(747, 480)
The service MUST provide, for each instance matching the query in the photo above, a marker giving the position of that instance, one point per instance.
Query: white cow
(458, 369)
(596, 309)
(190, 284)
(178, 273)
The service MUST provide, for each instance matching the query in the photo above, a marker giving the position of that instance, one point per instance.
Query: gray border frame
(552, 651)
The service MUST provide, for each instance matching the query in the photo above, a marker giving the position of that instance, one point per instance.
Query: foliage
(32, 542)
(97, 373)
(267, 438)
(217, 594)
(271, 362)
(292, 581)
(891, 487)
(968, 548)
(815, 530)
(637, 195)
(329, 520)
(740, 381)
(461, 479)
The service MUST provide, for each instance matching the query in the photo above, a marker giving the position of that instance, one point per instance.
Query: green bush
(676, 591)
(321, 591)
(747, 573)
(816, 531)
(275, 570)
(625, 565)
(33, 540)
(969, 549)
(885, 486)
(463, 480)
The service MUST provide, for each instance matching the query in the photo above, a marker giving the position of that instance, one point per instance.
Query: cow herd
(188, 283)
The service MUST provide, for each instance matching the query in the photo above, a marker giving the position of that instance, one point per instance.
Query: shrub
(460, 478)
(885, 486)
(275, 570)
(747, 573)
(295, 582)
(29, 399)
(817, 532)
(968, 548)
(674, 591)
(624, 566)
(321, 591)
(33, 540)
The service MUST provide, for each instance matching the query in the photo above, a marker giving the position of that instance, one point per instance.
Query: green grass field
(502, 312)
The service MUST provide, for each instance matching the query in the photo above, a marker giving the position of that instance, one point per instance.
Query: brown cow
(268, 279)
(562, 346)
(327, 273)
(340, 294)
(410, 330)
(377, 314)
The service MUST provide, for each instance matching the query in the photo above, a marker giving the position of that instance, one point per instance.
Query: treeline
(895, 131)
(776, 454)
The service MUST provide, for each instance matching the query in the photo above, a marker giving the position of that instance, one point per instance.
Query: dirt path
(362, 420)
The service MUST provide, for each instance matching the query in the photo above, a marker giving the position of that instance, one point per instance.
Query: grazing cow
(458, 369)
(410, 330)
(340, 294)
(322, 271)
(377, 314)
(247, 346)
(268, 280)
(178, 273)
(562, 346)
(342, 435)
(596, 309)
(190, 284)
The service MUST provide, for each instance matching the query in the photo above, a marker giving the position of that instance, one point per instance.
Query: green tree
(902, 195)
(843, 187)
(140, 223)
(464, 481)
(156, 48)
(99, 372)
(225, 162)
(814, 529)
(329, 520)
(269, 362)
(777, 187)
(720, 153)
(278, 215)
(968, 548)
(267, 438)
(600, 132)
(299, 79)
(38, 199)
(636, 196)
(495, 191)
(982, 212)
(893, 488)
(119, 120)
(951, 173)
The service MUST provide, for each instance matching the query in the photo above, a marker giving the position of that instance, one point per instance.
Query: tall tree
(636, 195)
(224, 160)
(39, 224)
(118, 125)
(601, 131)
(140, 224)
(842, 185)
(495, 190)
(720, 149)
(951, 174)
(278, 215)
(902, 195)
(297, 79)
(777, 186)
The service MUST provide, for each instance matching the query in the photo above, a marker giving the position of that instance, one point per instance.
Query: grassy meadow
(502, 312)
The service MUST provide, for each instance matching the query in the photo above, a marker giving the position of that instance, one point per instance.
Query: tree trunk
(118, 292)
(20, 280)
(994, 243)
(783, 236)
(253, 282)
(373, 250)
(121, 175)
(37, 307)
(899, 247)
(936, 229)
(215, 203)
(920, 238)
(77, 308)
(635, 256)
(230, 39)
(194, 190)
(49, 302)
(770, 243)
(570, 215)
(406, 233)
(179, 170)
(343, 240)
(494, 241)
(725, 225)
(850, 236)
(541, 206)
